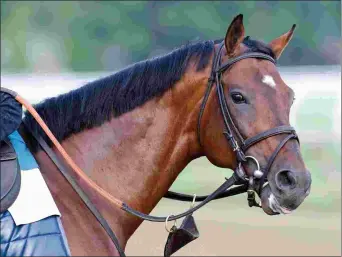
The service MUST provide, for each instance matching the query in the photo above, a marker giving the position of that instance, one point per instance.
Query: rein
(239, 179)
(223, 191)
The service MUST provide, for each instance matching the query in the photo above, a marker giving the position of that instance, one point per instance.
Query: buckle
(251, 198)
(250, 194)
(240, 173)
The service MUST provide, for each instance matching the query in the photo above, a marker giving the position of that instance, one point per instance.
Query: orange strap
(66, 156)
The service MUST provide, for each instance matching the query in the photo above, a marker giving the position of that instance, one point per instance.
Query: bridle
(241, 182)
(231, 129)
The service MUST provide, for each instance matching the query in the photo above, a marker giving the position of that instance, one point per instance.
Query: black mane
(97, 102)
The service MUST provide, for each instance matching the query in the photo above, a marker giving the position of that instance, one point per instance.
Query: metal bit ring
(174, 224)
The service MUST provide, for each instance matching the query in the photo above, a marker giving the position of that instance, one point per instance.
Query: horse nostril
(285, 180)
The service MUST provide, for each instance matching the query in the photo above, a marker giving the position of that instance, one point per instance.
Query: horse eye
(238, 98)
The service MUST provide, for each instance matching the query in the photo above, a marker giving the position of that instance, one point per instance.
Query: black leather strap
(272, 158)
(268, 133)
(189, 198)
(228, 132)
(230, 62)
(78, 190)
(223, 189)
(226, 185)
(211, 81)
(223, 101)
(226, 109)
(207, 93)
(230, 129)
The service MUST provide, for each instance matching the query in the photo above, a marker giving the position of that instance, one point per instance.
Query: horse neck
(137, 156)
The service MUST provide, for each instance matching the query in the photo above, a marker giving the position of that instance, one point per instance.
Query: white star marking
(268, 80)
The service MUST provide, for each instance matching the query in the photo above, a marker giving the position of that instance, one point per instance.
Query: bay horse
(133, 132)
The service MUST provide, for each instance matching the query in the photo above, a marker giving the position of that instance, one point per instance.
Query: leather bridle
(239, 179)
(231, 131)
(255, 182)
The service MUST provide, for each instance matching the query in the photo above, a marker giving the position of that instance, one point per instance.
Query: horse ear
(235, 35)
(278, 45)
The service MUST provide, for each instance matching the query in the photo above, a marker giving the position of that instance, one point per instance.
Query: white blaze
(268, 80)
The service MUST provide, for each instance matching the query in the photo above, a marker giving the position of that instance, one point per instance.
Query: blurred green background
(65, 43)
(98, 36)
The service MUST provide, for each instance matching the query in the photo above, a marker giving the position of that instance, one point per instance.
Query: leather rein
(241, 182)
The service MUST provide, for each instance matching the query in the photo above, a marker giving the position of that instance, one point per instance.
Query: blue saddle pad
(45, 237)
(42, 238)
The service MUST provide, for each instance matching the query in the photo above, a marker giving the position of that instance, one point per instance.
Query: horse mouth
(270, 204)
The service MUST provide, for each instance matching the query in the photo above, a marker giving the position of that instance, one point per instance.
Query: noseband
(231, 131)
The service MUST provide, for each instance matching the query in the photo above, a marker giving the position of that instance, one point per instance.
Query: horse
(133, 132)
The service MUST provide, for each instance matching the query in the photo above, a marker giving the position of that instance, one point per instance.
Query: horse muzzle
(284, 196)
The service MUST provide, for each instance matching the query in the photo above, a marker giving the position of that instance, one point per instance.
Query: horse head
(255, 107)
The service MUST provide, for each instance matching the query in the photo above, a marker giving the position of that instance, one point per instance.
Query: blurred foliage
(105, 35)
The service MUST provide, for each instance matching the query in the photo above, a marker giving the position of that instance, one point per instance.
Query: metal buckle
(250, 194)
(231, 138)
(241, 174)
(193, 202)
(251, 199)
(236, 146)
